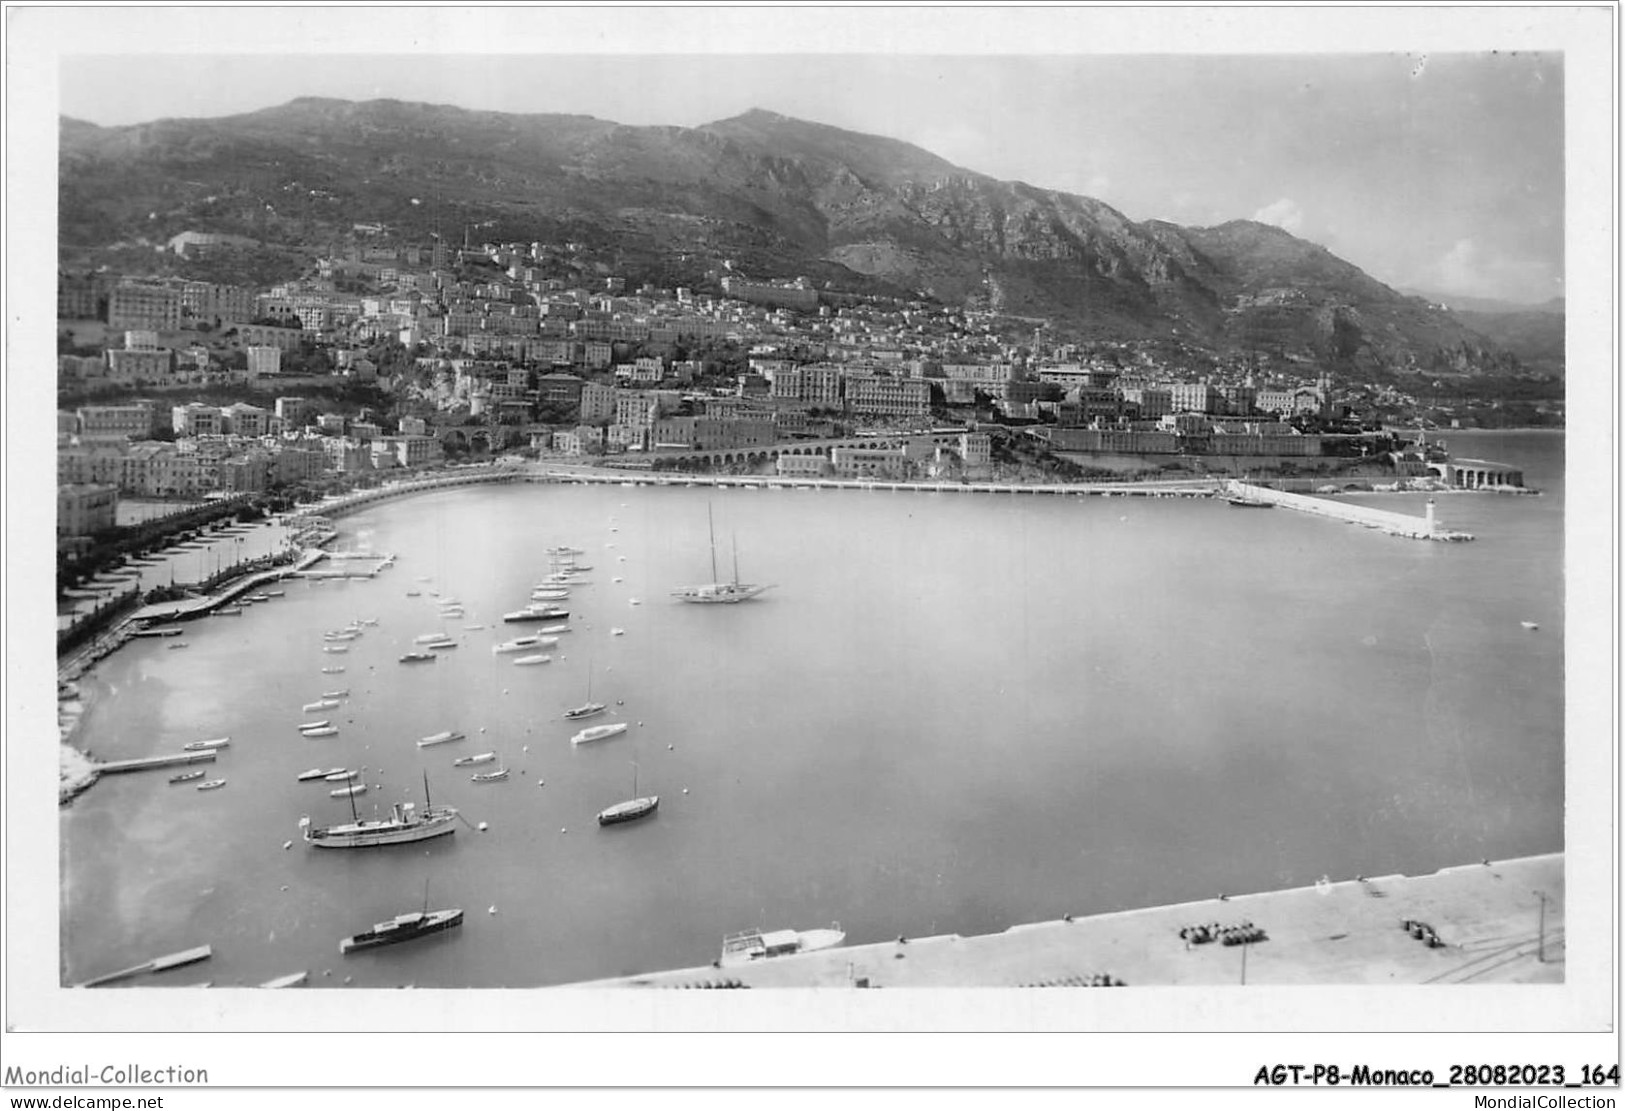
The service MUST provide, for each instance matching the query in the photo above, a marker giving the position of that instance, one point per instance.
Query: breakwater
(1395, 524)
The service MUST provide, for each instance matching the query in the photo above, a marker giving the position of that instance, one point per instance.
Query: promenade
(1496, 922)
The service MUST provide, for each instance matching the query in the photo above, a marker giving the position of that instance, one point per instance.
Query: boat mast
(427, 805)
(736, 559)
(354, 817)
(712, 525)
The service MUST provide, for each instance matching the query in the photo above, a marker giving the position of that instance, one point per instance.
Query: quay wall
(1495, 922)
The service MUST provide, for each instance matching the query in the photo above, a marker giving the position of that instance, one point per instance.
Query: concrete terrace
(1489, 918)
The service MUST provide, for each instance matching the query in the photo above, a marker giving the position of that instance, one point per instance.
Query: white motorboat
(470, 761)
(445, 736)
(206, 746)
(756, 945)
(321, 731)
(351, 790)
(320, 704)
(598, 733)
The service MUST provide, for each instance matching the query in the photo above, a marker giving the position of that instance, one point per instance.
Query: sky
(1434, 171)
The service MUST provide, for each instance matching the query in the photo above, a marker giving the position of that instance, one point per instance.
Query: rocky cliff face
(794, 197)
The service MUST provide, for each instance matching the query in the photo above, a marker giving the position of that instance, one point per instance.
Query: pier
(197, 607)
(143, 763)
(1500, 922)
(157, 964)
(1395, 524)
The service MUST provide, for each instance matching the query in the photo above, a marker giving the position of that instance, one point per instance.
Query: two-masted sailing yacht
(715, 591)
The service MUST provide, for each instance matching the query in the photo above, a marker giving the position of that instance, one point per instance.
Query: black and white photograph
(812, 520)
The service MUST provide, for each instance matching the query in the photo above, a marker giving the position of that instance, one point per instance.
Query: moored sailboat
(716, 592)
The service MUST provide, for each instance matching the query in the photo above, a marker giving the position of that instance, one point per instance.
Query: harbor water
(951, 714)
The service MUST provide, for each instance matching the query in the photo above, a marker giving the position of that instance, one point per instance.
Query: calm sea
(951, 714)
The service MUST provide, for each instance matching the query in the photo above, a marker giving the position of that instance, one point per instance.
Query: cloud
(1284, 214)
(1471, 269)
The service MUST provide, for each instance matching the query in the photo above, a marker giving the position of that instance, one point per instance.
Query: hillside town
(391, 357)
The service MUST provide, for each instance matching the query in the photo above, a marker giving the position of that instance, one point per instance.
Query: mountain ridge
(779, 194)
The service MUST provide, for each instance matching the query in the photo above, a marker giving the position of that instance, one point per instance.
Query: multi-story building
(100, 464)
(298, 462)
(135, 421)
(264, 360)
(82, 297)
(598, 402)
(1152, 402)
(212, 302)
(584, 439)
(1113, 440)
(248, 473)
(712, 434)
(1195, 397)
(138, 305)
(598, 354)
(295, 411)
(346, 456)
(265, 335)
(84, 509)
(130, 367)
(157, 470)
(798, 296)
(243, 419)
(864, 462)
(559, 389)
(195, 419)
(874, 395)
(802, 466)
(638, 410)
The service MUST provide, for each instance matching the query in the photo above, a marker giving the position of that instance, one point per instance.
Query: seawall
(1496, 922)
(1395, 524)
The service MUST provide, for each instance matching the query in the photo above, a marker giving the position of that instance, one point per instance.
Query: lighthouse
(1432, 528)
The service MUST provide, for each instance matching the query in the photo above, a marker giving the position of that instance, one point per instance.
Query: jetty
(1384, 520)
(157, 964)
(144, 763)
(196, 607)
(1491, 922)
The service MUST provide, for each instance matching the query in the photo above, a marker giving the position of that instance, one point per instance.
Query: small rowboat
(320, 704)
(211, 785)
(206, 746)
(336, 648)
(466, 761)
(352, 790)
(345, 693)
(489, 777)
(185, 777)
(332, 671)
(309, 725)
(321, 731)
(340, 776)
(527, 661)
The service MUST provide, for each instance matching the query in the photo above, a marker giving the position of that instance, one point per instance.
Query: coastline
(78, 769)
